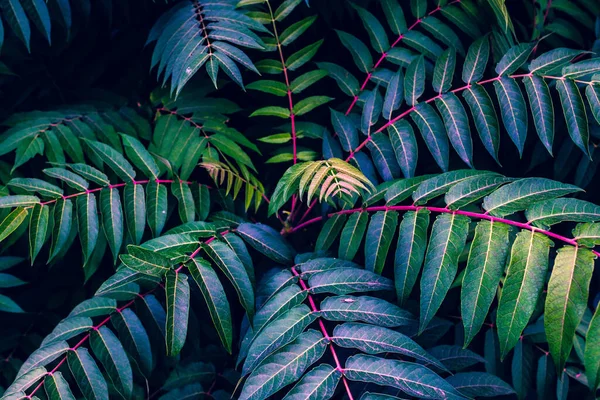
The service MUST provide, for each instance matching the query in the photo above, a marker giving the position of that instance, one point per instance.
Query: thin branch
(441, 210)
(315, 309)
(385, 53)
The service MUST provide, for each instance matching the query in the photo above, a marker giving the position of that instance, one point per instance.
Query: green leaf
(277, 334)
(377, 34)
(319, 383)
(302, 56)
(487, 257)
(347, 82)
(70, 178)
(15, 16)
(112, 219)
(284, 367)
(457, 125)
(57, 387)
(360, 53)
(90, 173)
(306, 105)
(443, 72)
(444, 33)
(422, 44)
(157, 207)
(94, 307)
(306, 80)
(37, 185)
(448, 237)
(135, 211)
(134, 338)
(185, 200)
(18, 201)
(414, 81)
(480, 384)
(587, 235)
(294, 31)
(541, 108)
(366, 309)
(394, 94)
(552, 60)
(379, 238)
(371, 339)
(485, 118)
(272, 111)
(418, 8)
(345, 129)
(575, 115)
(67, 329)
(410, 251)
(12, 221)
(286, 9)
(440, 184)
(352, 235)
(592, 352)
(412, 379)
(215, 298)
(519, 195)
(402, 189)
(140, 157)
(514, 58)
(87, 375)
(581, 68)
(330, 231)
(394, 15)
(24, 382)
(522, 369)
(43, 356)
(113, 159)
(566, 300)
(524, 280)
(88, 224)
(472, 189)
(546, 213)
(268, 86)
(178, 303)
(432, 129)
(266, 242)
(348, 280)
(109, 350)
(229, 263)
(404, 143)
(146, 261)
(513, 110)
(476, 60)
(455, 357)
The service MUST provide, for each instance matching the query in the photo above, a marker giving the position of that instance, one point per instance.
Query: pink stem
(107, 319)
(314, 308)
(385, 53)
(113, 186)
(441, 210)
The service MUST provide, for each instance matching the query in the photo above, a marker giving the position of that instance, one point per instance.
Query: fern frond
(199, 33)
(234, 180)
(328, 179)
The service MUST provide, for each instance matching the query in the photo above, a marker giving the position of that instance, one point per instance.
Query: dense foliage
(295, 199)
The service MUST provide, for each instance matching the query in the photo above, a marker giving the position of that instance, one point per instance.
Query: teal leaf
(404, 143)
(88, 224)
(443, 72)
(134, 338)
(371, 310)
(440, 184)
(524, 280)
(348, 280)
(135, 211)
(519, 195)
(514, 58)
(480, 384)
(266, 242)
(377, 34)
(414, 81)
(330, 231)
(109, 350)
(57, 387)
(472, 189)
(546, 213)
(113, 159)
(112, 219)
(67, 329)
(177, 291)
(487, 257)
(432, 129)
(215, 298)
(43, 356)
(157, 207)
(380, 233)
(410, 252)
(541, 108)
(38, 224)
(412, 379)
(318, 383)
(566, 300)
(185, 200)
(145, 261)
(393, 95)
(448, 237)
(575, 115)
(87, 375)
(360, 53)
(476, 60)
(457, 125)
(352, 235)
(513, 110)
